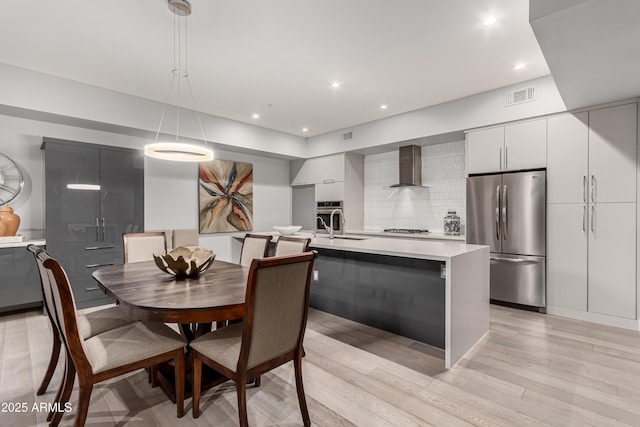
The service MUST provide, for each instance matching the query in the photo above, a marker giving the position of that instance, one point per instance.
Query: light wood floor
(530, 370)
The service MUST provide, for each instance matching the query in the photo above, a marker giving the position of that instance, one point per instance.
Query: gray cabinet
(19, 280)
(93, 195)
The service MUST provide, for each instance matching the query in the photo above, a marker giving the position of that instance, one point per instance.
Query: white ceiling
(279, 57)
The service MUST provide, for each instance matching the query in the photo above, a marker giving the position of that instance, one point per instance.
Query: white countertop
(24, 243)
(408, 248)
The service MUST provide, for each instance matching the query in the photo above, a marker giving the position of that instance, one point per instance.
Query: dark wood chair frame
(242, 373)
(257, 236)
(55, 333)
(77, 362)
(305, 248)
(126, 236)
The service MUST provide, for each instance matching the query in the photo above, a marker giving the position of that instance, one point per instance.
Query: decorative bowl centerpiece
(183, 262)
(287, 230)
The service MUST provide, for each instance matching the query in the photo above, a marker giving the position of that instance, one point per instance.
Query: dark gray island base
(405, 296)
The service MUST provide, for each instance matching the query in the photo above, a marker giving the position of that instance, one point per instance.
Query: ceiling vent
(347, 136)
(519, 96)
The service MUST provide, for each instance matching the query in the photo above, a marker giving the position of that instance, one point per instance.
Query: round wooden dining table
(147, 293)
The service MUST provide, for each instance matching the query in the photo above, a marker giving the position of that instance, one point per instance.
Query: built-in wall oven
(323, 216)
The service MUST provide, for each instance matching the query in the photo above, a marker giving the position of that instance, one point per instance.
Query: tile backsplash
(443, 169)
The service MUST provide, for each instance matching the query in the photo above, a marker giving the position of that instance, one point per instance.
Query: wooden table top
(147, 293)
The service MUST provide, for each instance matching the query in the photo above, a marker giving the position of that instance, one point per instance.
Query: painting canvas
(225, 196)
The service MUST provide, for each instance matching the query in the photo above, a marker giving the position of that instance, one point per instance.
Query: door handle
(506, 158)
(504, 213)
(584, 218)
(104, 229)
(97, 230)
(93, 288)
(514, 260)
(593, 186)
(96, 248)
(500, 158)
(593, 214)
(584, 188)
(106, 264)
(498, 212)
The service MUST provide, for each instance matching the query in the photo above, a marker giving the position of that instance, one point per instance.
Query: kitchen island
(432, 291)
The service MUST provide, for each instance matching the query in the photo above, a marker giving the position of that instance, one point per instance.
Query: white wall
(461, 114)
(68, 101)
(170, 187)
(443, 169)
(171, 197)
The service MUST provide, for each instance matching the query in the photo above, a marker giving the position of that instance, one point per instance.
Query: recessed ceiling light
(519, 66)
(305, 130)
(383, 107)
(335, 85)
(489, 21)
(255, 116)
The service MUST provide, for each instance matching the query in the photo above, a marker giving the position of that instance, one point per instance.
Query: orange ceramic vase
(3, 228)
(10, 220)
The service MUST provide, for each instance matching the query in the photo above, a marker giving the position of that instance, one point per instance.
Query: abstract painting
(225, 196)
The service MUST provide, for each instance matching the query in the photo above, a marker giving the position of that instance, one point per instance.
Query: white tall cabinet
(591, 212)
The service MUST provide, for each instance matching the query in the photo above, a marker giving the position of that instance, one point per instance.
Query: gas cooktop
(405, 231)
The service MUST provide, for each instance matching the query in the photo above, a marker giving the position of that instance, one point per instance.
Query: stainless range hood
(410, 159)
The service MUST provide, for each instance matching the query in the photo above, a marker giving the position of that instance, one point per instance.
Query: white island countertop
(408, 248)
(417, 236)
(24, 243)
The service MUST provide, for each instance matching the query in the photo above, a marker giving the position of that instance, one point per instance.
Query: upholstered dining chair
(254, 246)
(111, 353)
(89, 324)
(270, 334)
(291, 245)
(185, 237)
(141, 246)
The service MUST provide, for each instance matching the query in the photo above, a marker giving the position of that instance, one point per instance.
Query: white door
(485, 150)
(612, 259)
(525, 145)
(567, 232)
(612, 153)
(568, 158)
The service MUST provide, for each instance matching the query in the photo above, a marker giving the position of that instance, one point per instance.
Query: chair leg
(241, 389)
(297, 363)
(60, 389)
(256, 381)
(84, 397)
(195, 385)
(53, 361)
(69, 379)
(179, 381)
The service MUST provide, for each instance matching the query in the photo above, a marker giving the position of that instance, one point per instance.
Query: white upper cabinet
(612, 154)
(568, 158)
(508, 148)
(318, 170)
(484, 150)
(525, 145)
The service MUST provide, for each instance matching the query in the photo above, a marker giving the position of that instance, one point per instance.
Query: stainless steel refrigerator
(508, 213)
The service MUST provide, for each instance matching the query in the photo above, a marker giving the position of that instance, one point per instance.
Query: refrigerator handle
(498, 212)
(500, 158)
(593, 211)
(584, 218)
(504, 212)
(593, 185)
(584, 188)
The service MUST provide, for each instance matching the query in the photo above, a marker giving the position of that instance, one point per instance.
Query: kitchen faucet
(324, 224)
(331, 221)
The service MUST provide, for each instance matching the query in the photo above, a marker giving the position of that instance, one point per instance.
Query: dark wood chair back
(254, 246)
